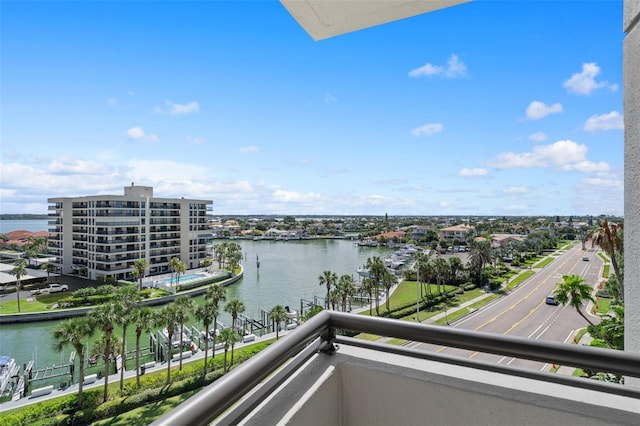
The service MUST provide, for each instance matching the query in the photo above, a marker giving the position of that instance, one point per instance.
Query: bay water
(289, 271)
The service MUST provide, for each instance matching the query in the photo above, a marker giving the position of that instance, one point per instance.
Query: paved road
(523, 312)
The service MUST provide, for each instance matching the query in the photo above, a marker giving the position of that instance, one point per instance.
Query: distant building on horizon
(101, 236)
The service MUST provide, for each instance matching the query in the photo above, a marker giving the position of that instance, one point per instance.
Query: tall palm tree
(49, 267)
(388, 281)
(19, 270)
(376, 270)
(455, 266)
(442, 268)
(480, 255)
(609, 238)
(184, 304)
(229, 337)
(215, 294)
(367, 287)
(168, 317)
(278, 315)
(328, 279)
(173, 264)
(180, 267)
(139, 268)
(346, 289)
(234, 307)
(207, 313)
(143, 318)
(72, 332)
(126, 297)
(574, 291)
(105, 317)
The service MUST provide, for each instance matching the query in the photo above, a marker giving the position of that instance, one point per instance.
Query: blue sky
(487, 108)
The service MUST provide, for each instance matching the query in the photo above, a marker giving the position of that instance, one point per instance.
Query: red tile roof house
(19, 238)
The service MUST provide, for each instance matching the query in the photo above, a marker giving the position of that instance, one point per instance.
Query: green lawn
(41, 303)
(519, 279)
(144, 415)
(544, 262)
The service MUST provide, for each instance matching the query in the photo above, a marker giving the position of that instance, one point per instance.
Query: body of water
(288, 272)
(33, 225)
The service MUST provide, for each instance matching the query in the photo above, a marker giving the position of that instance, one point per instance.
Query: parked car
(551, 300)
(585, 258)
(51, 288)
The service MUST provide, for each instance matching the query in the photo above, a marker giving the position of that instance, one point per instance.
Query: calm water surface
(288, 272)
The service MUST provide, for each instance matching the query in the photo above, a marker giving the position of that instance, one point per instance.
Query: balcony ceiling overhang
(327, 18)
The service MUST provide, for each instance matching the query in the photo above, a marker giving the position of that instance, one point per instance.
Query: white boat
(291, 313)
(363, 272)
(8, 371)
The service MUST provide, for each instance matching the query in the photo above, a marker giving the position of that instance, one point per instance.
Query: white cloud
(137, 133)
(292, 196)
(587, 167)
(609, 121)
(538, 136)
(454, 68)
(517, 208)
(516, 190)
(566, 155)
(330, 99)
(180, 109)
(473, 172)
(112, 102)
(427, 129)
(584, 82)
(248, 150)
(196, 141)
(604, 182)
(537, 110)
(67, 165)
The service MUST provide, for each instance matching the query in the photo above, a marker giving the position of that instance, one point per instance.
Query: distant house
(454, 232)
(390, 235)
(502, 240)
(17, 239)
(419, 233)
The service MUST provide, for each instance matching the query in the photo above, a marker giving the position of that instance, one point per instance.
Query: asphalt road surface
(523, 312)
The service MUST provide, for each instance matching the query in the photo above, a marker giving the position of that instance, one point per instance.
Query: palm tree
(207, 264)
(388, 281)
(234, 307)
(105, 317)
(19, 270)
(139, 267)
(328, 279)
(346, 289)
(49, 267)
(229, 337)
(367, 286)
(455, 266)
(215, 294)
(442, 268)
(610, 240)
(143, 318)
(173, 264)
(574, 291)
(168, 316)
(72, 332)
(126, 297)
(376, 270)
(183, 305)
(278, 314)
(480, 255)
(207, 314)
(180, 267)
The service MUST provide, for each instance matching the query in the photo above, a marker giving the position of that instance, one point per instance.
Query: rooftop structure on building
(101, 236)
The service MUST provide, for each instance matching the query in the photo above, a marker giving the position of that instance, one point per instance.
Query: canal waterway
(288, 272)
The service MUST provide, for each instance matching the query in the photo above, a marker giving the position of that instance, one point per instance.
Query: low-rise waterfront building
(101, 236)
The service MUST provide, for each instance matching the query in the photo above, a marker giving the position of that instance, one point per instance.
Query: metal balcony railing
(319, 334)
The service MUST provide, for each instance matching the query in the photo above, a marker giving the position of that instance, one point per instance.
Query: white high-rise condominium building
(101, 236)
